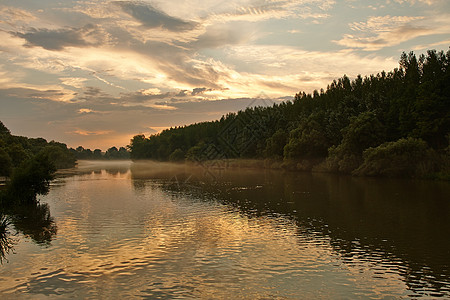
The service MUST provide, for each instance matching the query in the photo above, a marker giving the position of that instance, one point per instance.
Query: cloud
(220, 11)
(198, 91)
(85, 111)
(58, 39)
(382, 23)
(87, 133)
(75, 82)
(11, 15)
(150, 17)
(220, 35)
(412, 2)
(381, 32)
(51, 93)
(172, 63)
(428, 46)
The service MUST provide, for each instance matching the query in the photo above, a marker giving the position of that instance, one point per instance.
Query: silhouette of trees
(332, 127)
(29, 163)
(112, 153)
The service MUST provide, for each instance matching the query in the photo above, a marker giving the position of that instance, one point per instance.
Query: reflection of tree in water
(32, 220)
(6, 242)
(35, 221)
(111, 170)
(399, 226)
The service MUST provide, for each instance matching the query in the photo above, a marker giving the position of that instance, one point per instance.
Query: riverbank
(397, 169)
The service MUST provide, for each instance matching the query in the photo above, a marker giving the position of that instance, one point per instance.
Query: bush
(5, 163)
(308, 140)
(177, 155)
(408, 157)
(275, 144)
(60, 157)
(363, 132)
(340, 160)
(30, 179)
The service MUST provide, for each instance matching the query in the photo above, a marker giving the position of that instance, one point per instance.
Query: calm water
(105, 231)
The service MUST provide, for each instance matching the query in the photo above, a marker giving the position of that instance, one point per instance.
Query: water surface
(108, 231)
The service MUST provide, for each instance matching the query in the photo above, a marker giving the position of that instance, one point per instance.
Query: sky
(96, 73)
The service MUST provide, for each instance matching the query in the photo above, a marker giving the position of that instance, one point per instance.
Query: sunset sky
(95, 73)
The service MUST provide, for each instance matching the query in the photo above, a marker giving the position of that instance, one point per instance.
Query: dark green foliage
(97, 154)
(30, 179)
(195, 153)
(3, 129)
(6, 243)
(34, 220)
(111, 153)
(31, 219)
(363, 132)
(5, 163)
(17, 154)
(114, 153)
(177, 155)
(337, 124)
(308, 140)
(15, 150)
(30, 164)
(59, 156)
(407, 156)
(275, 144)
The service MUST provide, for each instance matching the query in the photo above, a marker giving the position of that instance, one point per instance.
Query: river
(117, 230)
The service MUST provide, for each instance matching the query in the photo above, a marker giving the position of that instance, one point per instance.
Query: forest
(393, 124)
(112, 153)
(29, 163)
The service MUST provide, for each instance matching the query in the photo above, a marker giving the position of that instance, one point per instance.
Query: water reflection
(6, 241)
(34, 221)
(31, 220)
(391, 226)
(116, 167)
(172, 231)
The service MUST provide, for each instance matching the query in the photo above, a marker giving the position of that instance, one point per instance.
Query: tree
(138, 147)
(4, 130)
(17, 154)
(61, 159)
(363, 132)
(308, 140)
(406, 157)
(275, 144)
(5, 163)
(338, 123)
(97, 154)
(112, 153)
(177, 155)
(30, 179)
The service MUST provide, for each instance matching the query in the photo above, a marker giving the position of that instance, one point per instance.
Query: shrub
(177, 155)
(5, 163)
(30, 179)
(408, 157)
(61, 158)
(363, 132)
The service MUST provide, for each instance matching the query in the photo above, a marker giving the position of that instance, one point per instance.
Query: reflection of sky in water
(115, 239)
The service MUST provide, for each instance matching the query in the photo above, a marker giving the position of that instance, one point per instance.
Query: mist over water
(172, 231)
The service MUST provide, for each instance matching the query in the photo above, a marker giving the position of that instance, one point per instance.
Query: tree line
(29, 163)
(112, 153)
(389, 124)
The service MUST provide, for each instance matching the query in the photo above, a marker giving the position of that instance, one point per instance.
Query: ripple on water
(115, 239)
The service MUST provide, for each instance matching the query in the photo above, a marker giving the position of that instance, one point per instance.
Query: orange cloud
(87, 133)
